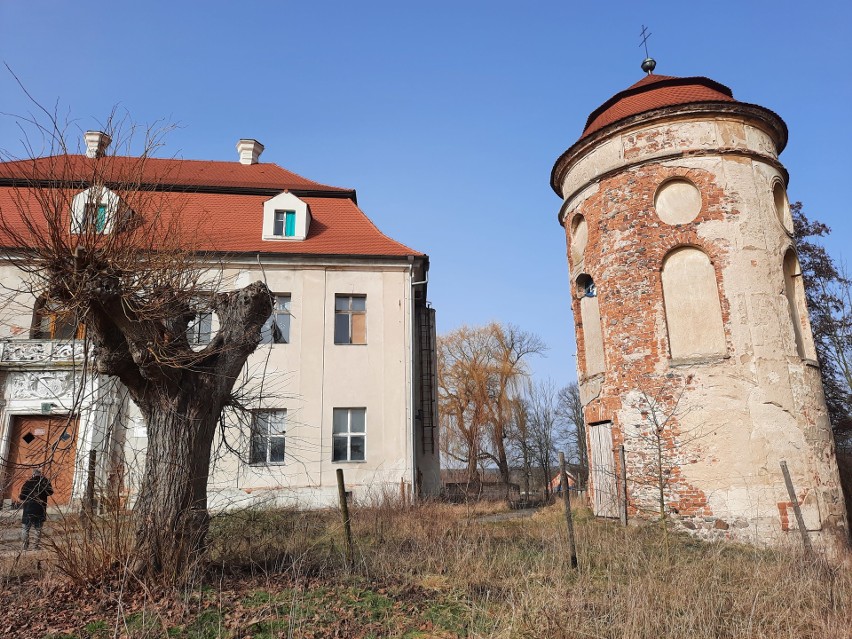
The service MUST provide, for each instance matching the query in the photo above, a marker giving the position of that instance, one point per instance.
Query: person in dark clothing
(34, 494)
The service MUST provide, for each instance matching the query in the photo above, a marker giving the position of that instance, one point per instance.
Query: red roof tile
(220, 212)
(654, 92)
(173, 172)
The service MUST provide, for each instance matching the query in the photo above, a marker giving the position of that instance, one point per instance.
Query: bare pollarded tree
(102, 239)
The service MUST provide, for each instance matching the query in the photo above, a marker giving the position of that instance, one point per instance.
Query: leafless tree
(135, 287)
(533, 435)
(660, 439)
(570, 410)
(511, 349)
(543, 423)
(463, 369)
(479, 370)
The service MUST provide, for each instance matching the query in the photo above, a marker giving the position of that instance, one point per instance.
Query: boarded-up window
(579, 237)
(795, 291)
(782, 207)
(677, 201)
(590, 316)
(602, 471)
(693, 312)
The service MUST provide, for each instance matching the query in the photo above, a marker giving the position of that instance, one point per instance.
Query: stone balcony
(41, 352)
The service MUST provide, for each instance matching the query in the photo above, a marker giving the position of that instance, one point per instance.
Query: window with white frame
(284, 224)
(350, 319)
(276, 330)
(200, 329)
(267, 437)
(349, 436)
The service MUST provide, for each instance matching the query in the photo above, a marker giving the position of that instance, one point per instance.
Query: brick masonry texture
(711, 431)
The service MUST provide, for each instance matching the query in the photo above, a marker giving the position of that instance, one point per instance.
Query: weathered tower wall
(694, 346)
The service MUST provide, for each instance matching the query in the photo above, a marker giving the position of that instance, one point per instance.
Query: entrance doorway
(604, 487)
(41, 441)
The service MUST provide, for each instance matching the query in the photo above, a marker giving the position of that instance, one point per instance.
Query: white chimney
(249, 151)
(96, 143)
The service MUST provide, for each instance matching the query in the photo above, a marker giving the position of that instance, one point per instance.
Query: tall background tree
(131, 273)
(829, 297)
(479, 374)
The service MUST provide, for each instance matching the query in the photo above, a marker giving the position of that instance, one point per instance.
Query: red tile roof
(156, 171)
(220, 203)
(654, 92)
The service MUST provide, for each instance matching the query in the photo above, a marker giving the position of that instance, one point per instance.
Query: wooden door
(46, 442)
(604, 485)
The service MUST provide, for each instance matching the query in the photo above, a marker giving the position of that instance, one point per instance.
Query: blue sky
(445, 116)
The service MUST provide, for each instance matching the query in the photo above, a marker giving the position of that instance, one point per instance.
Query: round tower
(694, 349)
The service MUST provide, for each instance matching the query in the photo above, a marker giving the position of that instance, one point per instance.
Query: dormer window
(284, 224)
(94, 218)
(286, 218)
(97, 210)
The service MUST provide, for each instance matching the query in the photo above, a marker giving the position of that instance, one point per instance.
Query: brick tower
(694, 348)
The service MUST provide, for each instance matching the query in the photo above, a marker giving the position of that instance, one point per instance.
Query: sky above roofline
(446, 117)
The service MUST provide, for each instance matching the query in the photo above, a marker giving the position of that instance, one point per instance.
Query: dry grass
(441, 571)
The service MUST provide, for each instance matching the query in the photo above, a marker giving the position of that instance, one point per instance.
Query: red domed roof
(654, 92)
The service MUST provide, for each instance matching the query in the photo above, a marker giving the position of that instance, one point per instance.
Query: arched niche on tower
(794, 290)
(691, 300)
(579, 237)
(782, 206)
(590, 315)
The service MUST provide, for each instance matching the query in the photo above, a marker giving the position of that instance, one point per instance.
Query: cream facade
(345, 380)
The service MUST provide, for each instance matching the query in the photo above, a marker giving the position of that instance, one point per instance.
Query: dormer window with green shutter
(286, 218)
(285, 224)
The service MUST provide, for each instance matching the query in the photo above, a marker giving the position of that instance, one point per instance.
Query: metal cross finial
(648, 64)
(644, 35)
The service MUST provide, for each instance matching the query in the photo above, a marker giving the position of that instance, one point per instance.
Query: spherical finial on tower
(648, 65)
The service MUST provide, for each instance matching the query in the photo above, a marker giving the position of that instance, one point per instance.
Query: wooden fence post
(89, 495)
(622, 459)
(806, 541)
(569, 518)
(344, 511)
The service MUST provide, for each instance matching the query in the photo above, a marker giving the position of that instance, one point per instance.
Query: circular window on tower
(579, 237)
(677, 201)
(782, 207)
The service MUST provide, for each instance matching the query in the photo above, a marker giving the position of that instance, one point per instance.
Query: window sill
(282, 238)
(265, 464)
(810, 362)
(351, 461)
(348, 344)
(697, 361)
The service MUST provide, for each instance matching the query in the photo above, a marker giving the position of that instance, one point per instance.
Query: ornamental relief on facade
(41, 385)
(27, 351)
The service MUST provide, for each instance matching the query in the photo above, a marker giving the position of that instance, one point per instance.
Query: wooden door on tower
(46, 442)
(604, 485)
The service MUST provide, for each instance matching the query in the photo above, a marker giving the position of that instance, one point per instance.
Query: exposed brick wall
(657, 406)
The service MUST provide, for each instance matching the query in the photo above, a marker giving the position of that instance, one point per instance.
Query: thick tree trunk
(170, 515)
(182, 406)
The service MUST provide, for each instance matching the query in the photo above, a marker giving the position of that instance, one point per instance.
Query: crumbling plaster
(729, 419)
